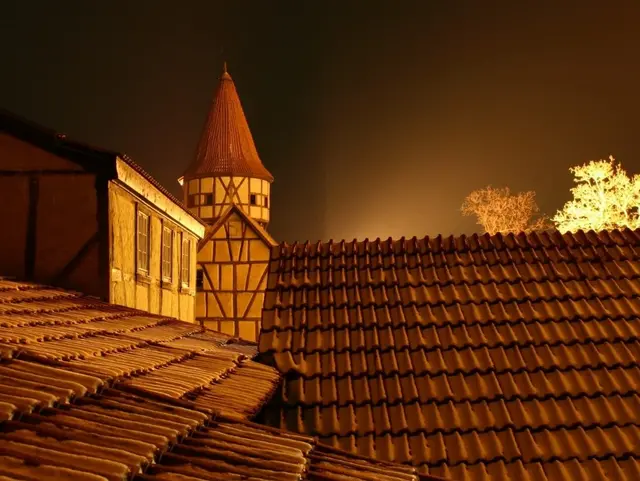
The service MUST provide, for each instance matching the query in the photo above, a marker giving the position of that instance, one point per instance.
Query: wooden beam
(77, 259)
(32, 228)
(105, 237)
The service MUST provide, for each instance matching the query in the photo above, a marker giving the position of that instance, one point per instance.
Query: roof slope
(479, 358)
(92, 391)
(226, 145)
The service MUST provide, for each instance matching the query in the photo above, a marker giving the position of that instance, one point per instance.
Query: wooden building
(227, 186)
(92, 220)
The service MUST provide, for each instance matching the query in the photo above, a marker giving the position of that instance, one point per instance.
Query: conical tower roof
(226, 145)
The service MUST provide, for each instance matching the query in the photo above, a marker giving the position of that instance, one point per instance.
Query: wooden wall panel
(85, 275)
(214, 309)
(257, 275)
(122, 215)
(226, 300)
(242, 275)
(67, 229)
(201, 304)
(48, 205)
(14, 212)
(206, 253)
(212, 274)
(255, 308)
(247, 329)
(243, 300)
(226, 277)
(260, 251)
(142, 297)
(18, 155)
(228, 327)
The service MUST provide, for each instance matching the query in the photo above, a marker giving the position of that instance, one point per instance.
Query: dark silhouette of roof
(226, 146)
(476, 358)
(94, 159)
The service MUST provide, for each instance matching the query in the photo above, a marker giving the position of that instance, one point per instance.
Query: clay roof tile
(226, 146)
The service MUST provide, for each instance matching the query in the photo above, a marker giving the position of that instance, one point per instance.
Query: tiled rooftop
(92, 391)
(477, 358)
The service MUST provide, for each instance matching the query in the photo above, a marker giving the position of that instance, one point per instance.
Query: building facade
(228, 187)
(92, 220)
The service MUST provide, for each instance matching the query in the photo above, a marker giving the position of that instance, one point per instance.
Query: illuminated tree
(498, 210)
(604, 198)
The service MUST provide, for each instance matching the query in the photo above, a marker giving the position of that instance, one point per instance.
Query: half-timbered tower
(227, 186)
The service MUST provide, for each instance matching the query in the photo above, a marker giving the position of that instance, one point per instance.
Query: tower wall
(233, 262)
(209, 197)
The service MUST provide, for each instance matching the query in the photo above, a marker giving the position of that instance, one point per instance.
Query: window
(143, 242)
(199, 279)
(186, 262)
(253, 199)
(167, 254)
(196, 200)
(266, 201)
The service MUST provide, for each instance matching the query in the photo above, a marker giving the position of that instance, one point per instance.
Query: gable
(477, 358)
(233, 222)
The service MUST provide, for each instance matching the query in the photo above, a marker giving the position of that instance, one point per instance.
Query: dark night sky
(375, 117)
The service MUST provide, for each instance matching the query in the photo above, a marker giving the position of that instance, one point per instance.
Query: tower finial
(224, 67)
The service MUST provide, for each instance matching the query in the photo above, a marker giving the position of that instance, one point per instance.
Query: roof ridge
(463, 242)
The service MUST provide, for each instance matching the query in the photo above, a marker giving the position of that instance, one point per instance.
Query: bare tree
(498, 210)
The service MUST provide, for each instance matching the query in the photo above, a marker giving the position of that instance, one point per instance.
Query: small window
(199, 279)
(143, 242)
(196, 200)
(185, 271)
(167, 254)
(253, 199)
(266, 201)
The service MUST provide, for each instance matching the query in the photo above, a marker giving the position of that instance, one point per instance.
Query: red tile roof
(509, 357)
(226, 146)
(92, 391)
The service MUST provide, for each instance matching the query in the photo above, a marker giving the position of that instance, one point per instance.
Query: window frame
(163, 254)
(147, 252)
(185, 241)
